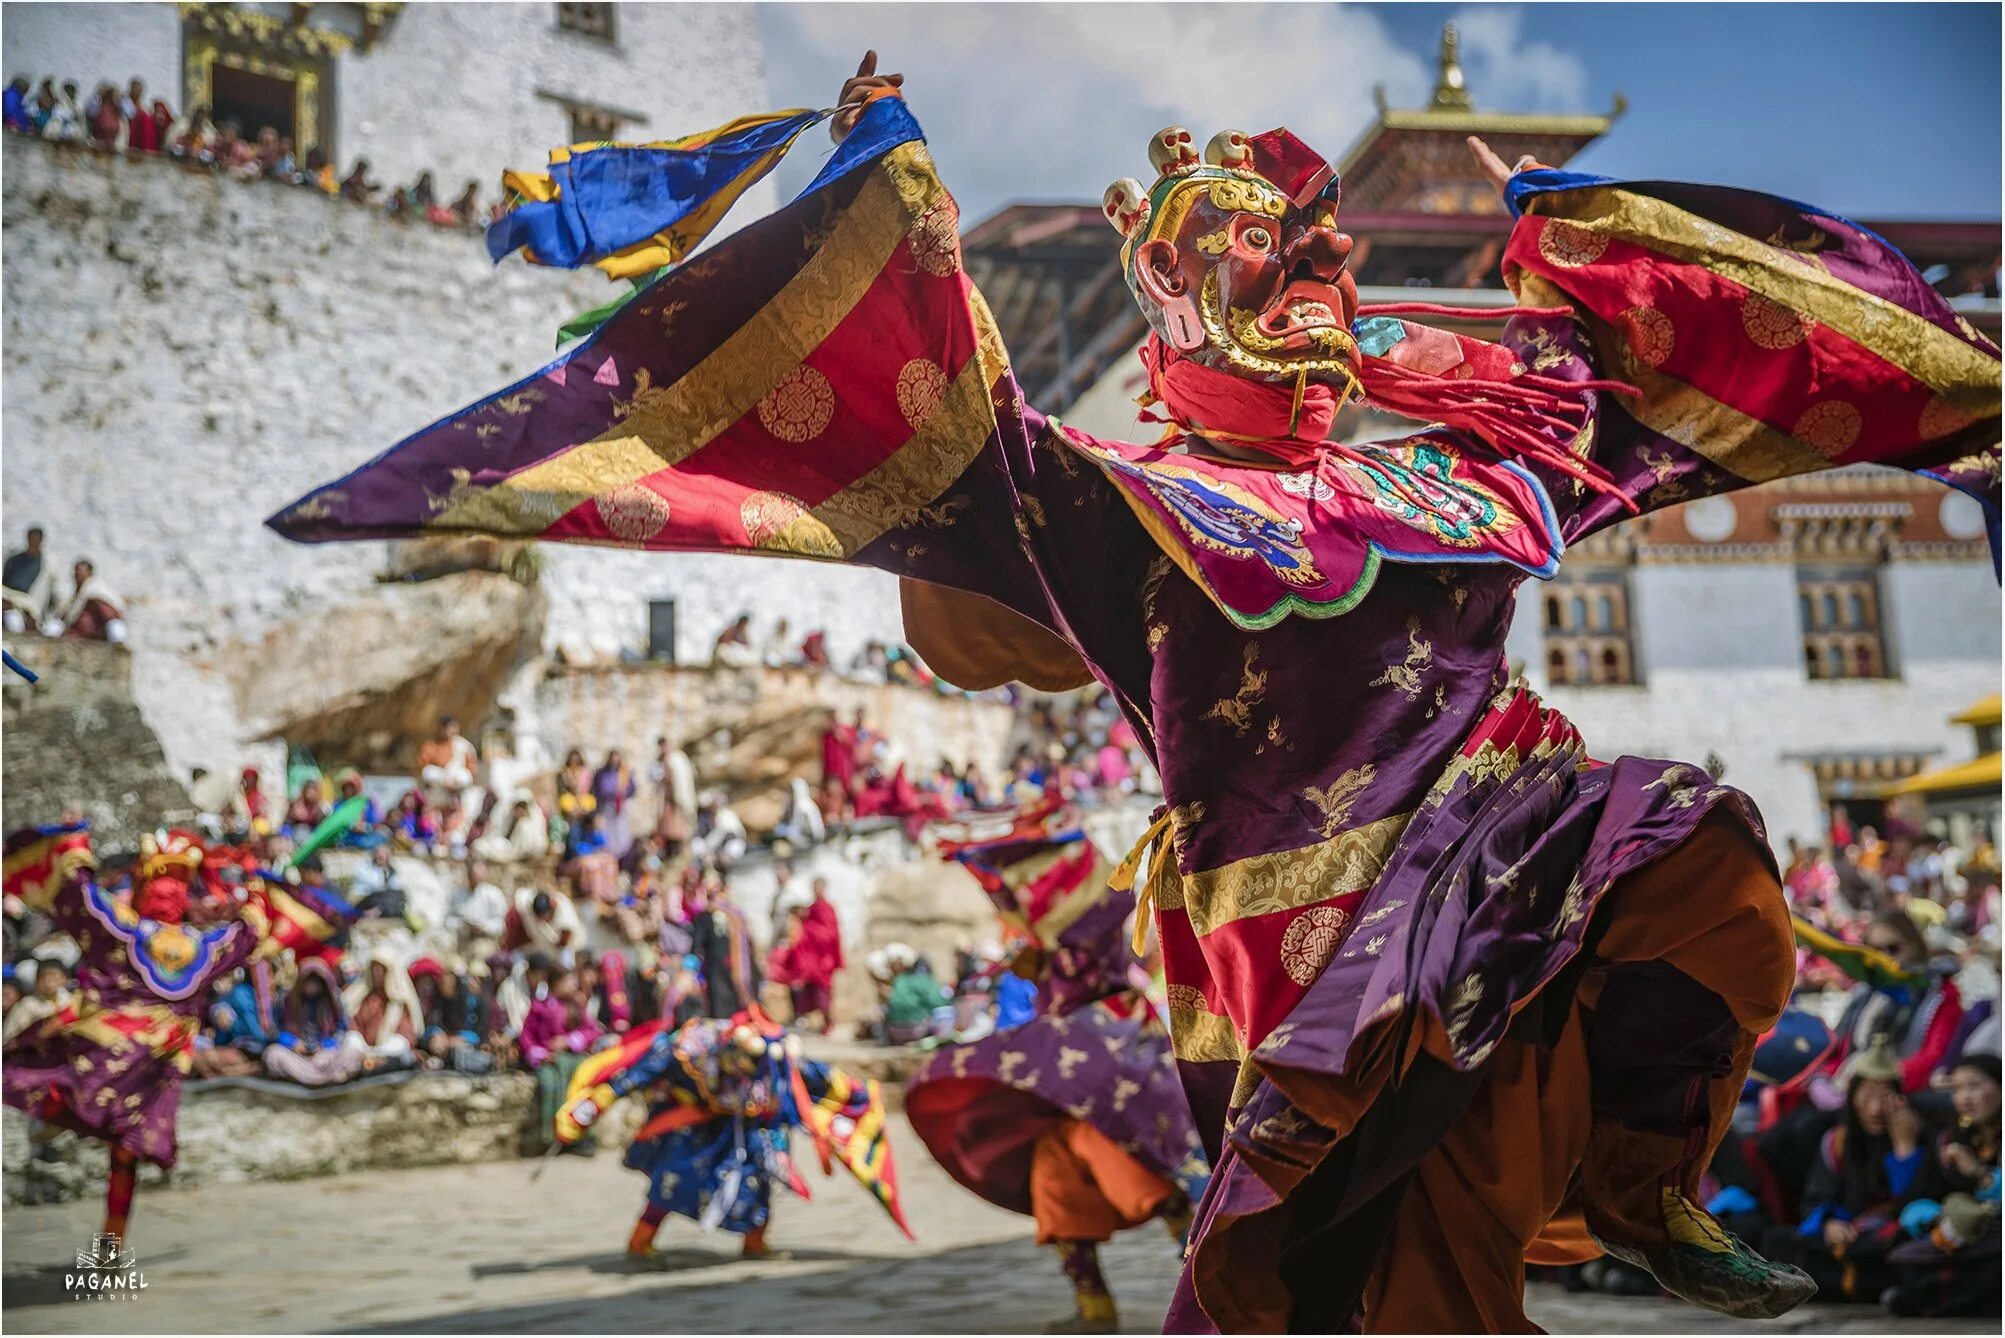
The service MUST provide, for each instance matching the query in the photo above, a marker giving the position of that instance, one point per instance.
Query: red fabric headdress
(163, 898)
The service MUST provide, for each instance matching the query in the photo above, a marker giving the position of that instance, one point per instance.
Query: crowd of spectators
(126, 121)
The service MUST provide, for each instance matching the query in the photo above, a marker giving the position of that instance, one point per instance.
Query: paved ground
(485, 1249)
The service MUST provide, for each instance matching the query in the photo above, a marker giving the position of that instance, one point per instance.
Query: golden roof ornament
(1451, 91)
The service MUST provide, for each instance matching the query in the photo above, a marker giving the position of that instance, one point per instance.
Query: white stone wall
(454, 88)
(1718, 648)
(94, 43)
(184, 355)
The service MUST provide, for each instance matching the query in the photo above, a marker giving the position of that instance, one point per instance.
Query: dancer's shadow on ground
(665, 1261)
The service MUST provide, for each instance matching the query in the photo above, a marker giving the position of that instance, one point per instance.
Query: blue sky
(1873, 110)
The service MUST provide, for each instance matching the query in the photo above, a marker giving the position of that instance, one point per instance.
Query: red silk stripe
(1251, 959)
(1184, 962)
(1058, 882)
(1711, 350)
(861, 363)
(859, 367)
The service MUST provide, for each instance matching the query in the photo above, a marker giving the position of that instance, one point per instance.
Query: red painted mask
(1236, 258)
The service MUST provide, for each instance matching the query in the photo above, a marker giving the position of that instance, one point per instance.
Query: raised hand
(1493, 168)
(858, 91)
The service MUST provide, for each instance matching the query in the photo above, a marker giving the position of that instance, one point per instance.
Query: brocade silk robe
(1369, 819)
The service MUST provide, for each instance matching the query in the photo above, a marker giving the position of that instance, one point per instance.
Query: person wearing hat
(1877, 1161)
(1951, 1268)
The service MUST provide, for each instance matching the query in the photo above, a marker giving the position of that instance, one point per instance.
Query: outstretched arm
(824, 384)
(1765, 339)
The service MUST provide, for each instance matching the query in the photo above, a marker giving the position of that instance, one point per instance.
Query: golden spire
(1450, 92)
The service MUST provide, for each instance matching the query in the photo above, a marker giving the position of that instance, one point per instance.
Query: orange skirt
(1083, 1186)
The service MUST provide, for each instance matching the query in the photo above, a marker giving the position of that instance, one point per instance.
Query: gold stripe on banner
(1745, 447)
(893, 494)
(1966, 376)
(1287, 879)
(1199, 1036)
(674, 422)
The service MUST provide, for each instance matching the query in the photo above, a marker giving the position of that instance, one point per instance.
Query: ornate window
(1587, 628)
(591, 125)
(594, 21)
(1843, 634)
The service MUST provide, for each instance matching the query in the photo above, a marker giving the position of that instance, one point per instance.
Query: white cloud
(1053, 102)
(1505, 72)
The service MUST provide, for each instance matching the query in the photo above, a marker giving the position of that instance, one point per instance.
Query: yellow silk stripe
(894, 493)
(1745, 447)
(1288, 879)
(1199, 1036)
(1965, 376)
(674, 422)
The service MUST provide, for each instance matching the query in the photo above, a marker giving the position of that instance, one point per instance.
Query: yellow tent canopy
(1986, 712)
(1977, 774)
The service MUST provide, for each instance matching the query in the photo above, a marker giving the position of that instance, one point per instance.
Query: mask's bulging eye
(1259, 239)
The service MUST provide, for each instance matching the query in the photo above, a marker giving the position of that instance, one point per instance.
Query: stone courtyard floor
(485, 1248)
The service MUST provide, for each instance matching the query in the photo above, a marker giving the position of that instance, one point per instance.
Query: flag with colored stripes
(805, 387)
(630, 209)
(299, 919)
(1867, 965)
(39, 861)
(848, 1121)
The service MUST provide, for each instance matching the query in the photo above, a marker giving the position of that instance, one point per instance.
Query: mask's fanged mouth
(1302, 306)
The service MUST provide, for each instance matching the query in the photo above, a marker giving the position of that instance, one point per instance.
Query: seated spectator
(378, 891)
(448, 760)
(779, 646)
(526, 837)
(383, 1011)
(452, 1017)
(1952, 1267)
(239, 1034)
(414, 820)
(248, 814)
(306, 812)
(604, 985)
(814, 652)
(29, 581)
(195, 138)
(163, 125)
(914, 999)
(613, 789)
(41, 107)
(51, 995)
(574, 789)
(734, 648)
(356, 187)
(1871, 1166)
(545, 922)
(720, 835)
(92, 611)
(65, 121)
(592, 867)
(836, 808)
(366, 832)
(312, 1046)
(14, 111)
(101, 118)
(482, 913)
(142, 131)
(557, 1035)
(1921, 1028)
(466, 209)
(319, 173)
(802, 824)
